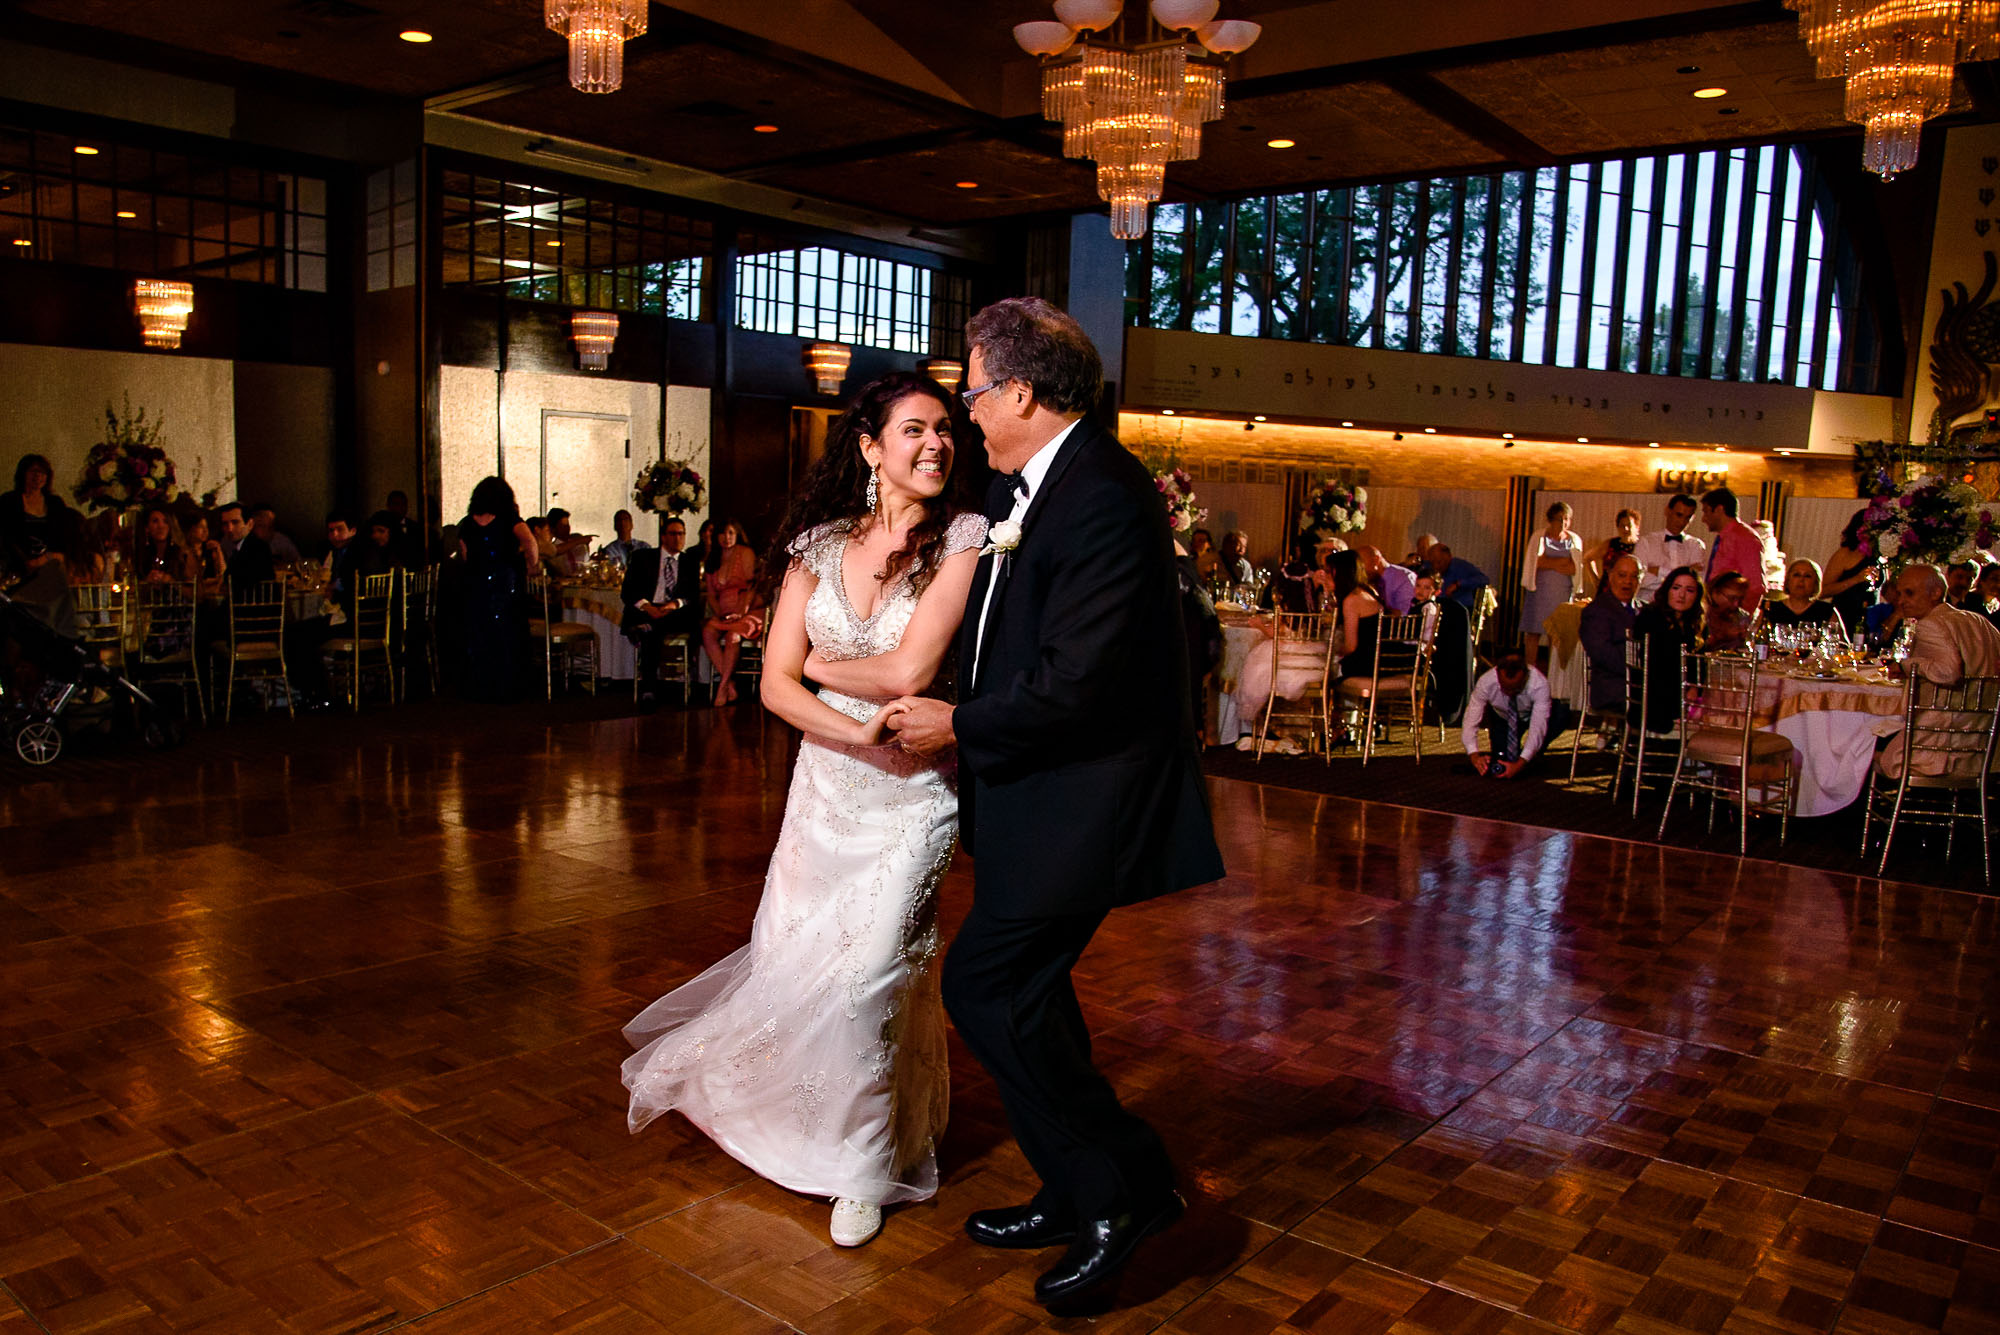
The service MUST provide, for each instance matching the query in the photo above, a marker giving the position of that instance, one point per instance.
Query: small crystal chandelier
(1897, 57)
(1134, 107)
(597, 32)
(593, 332)
(163, 307)
(947, 371)
(828, 364)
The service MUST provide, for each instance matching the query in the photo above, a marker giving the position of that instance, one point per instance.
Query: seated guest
(570, 549)
(406, 539)
(264, 523)
(662, 596)
(1360, 614)
(1729, 622)
(1458, 580)
(623, 547)
(1947, 645)
(249, 556)
(734, 615)
(1959, 577)
(1207, 560)
(343, 559)
(1419, 559)
(1295, 586)
(1606, 628)
(1802, 605)
(1986, 592)
(1395, 585)
(206, 554)
(1451, 649)
(379, 554)
(538, 529)
(159, 555)
(34, 523)
(1665, 628)
(1512, 703)
(1235, 558)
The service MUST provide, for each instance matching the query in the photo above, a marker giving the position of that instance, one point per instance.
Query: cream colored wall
(55, 401)
(483, 430)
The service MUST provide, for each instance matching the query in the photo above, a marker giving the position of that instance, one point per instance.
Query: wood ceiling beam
(1470, 119)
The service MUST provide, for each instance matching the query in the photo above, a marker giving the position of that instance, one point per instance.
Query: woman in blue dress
(1549, 575)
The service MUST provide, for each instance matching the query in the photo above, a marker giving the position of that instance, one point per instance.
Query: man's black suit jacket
(642, 573)
(1080, 786)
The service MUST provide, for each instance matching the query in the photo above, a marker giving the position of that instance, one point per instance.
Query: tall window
(1714, 264)
(537, 243)
(83, 199)
(822, 293)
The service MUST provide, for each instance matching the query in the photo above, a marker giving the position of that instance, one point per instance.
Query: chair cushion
(1366, 686)
(256, 649)
(344, 645)
(571, 630)
(1725, 745)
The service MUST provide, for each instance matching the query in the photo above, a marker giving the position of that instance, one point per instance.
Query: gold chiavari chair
(1300, 642)
(416, 624)
(367, 636)
(167, 622)
(104, 619)
(1397, 682)
(1637, 740)
(1613, 713)
(559, 638)
(1946, 748)
(1732, 751)
(676, 665)
(254, 647)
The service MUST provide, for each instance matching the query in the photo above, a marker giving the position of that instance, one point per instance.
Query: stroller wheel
(38, 742)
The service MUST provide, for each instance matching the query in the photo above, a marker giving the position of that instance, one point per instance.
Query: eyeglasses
(968, 395)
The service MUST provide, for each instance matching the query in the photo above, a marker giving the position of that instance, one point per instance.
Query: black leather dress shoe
(1101, 1249)
(1019, 1227)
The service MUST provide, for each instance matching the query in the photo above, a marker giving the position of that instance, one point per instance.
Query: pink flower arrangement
(670, 486)
(1176, 489)
(1932, 520)
(128, 469)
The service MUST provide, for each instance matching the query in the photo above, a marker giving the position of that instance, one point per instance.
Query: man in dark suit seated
(662, 597)
(1605, 629)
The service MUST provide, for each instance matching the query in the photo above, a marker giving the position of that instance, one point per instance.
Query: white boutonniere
(1002, 538)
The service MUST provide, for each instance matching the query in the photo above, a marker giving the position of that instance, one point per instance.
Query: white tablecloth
(600, 609)
(1833, 728)
(1226, 723)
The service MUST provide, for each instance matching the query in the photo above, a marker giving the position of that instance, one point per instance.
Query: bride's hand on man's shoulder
(875, 732)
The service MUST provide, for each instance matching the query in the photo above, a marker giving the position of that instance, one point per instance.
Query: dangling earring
(874, 493)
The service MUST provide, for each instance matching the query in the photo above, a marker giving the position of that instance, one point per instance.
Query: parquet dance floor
(316, 1029)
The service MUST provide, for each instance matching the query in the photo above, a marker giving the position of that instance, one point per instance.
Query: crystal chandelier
(1134, 107)
(163, 307)
(828, 364)
(1897, 57)
(594, 333)
(597, 31)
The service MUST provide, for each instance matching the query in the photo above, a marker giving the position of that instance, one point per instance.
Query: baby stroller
(71, 675)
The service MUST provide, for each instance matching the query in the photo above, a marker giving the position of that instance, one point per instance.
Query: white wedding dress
(816, 1053)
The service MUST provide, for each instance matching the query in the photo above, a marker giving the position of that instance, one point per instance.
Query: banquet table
(1241, 632)
(1833, 727)
(601, 609)
(1563, 629)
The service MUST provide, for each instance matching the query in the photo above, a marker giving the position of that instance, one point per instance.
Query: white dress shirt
(1032, 473)
(1534, 699)
(1657, 556)
(670, 570)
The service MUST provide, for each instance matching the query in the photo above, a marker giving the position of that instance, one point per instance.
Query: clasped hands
(918, 724)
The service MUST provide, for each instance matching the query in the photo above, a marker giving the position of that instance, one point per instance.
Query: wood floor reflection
(315, 1028)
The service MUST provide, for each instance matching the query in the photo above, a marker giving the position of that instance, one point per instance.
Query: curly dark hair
(494, 497)
(835, 490)
(1039, 344)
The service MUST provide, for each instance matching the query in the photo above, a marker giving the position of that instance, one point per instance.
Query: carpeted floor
(1546, 796)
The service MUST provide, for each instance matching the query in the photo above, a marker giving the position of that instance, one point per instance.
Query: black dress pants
(1007, 988)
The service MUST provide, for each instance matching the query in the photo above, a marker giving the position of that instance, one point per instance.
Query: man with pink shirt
(1737, 546)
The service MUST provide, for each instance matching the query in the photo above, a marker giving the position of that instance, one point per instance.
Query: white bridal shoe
(854, 1222)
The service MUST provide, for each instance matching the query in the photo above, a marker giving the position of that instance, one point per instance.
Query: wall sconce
(828, 364)
(593, 332)
(1692, 478)
(947, 371)
(163, 307)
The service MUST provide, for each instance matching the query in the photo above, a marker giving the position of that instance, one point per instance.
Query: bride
(816, 1054)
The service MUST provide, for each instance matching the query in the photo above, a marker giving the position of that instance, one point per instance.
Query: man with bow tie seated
(663, 599)
(1669, 549)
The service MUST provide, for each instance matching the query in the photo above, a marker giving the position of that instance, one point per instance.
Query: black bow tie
(1000, 495)
(1015, 483)
(1675, 537)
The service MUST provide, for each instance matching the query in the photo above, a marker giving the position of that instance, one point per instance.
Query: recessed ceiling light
(555, 243)
(1262, 418)
(967, 185)
(1506, 435)
(1711, 92)
(85, 151)
(127, 213)
(1785, 452)
(765, 129)
(415, 36)
(1722, 449)
(1168, 411)
(1347, 424)
(1652, 444)
(1281, 143)
(1583, 440)
(1430, 431)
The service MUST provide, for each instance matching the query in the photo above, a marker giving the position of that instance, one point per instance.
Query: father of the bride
(1079, 785)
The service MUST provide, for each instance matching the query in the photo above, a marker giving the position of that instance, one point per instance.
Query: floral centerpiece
(128, 470)
(1333, 509)
(1176, 488)
(1932, 520)
(668, 486)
